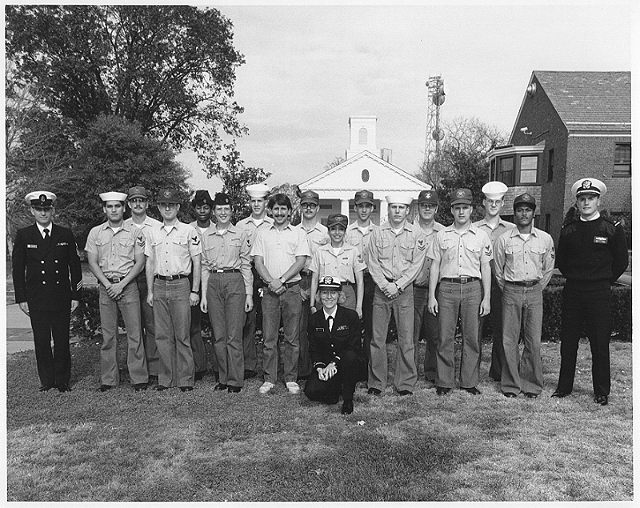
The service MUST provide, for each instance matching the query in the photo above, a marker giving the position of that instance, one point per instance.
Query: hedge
(85, 322)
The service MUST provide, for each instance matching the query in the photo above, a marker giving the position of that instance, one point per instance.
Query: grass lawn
(215, 446)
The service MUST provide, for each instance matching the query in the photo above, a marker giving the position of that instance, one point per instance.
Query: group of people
(332, 288)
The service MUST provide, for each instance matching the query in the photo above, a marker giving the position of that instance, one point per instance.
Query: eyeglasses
(137, 200)
(309, 205)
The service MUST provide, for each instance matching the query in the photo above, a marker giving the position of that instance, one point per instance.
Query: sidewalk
(19, 335)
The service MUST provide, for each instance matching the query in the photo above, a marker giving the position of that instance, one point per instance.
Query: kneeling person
(335, 350)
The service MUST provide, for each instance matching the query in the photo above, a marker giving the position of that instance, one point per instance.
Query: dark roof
(589, 100)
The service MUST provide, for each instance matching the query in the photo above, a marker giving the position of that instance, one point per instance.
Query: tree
(235, 177)
(463, 162)
(169, 68)
(337, 160)
(113, 156)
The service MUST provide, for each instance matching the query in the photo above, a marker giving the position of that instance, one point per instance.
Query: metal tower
(434, 134)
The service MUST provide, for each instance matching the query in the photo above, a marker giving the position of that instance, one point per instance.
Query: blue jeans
(522, 306)
(288, 305)
(129, 305)
(172, 317)
(455, 300)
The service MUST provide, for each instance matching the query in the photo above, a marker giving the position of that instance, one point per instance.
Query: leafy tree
(235, 177)
(463, 163)
(170, 68)
(293, 192)
(113, 156)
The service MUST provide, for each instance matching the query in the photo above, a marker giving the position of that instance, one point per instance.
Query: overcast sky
(309, 68)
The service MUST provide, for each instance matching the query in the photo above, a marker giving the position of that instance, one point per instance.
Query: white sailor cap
(44, 199)
(113, 196)
(588, 186)
(399, 198)
(494, 190)
(257, 190)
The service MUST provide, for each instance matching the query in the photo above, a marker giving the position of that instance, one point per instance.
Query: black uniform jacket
(46, 274)
(329, 346)
(592, 250)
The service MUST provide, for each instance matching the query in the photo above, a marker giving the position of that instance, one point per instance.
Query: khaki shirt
(394, 257)
(354, 236)
(116, 251)
(343, 265)
(423, 275)
(172, 250)
(228, 251)
(279, 249)
(146, 226)
(317, 236)
(494, 233)
(460, 254)
(251, 227)
(520, 260)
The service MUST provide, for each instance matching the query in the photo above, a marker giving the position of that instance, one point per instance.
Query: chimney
(385, 154)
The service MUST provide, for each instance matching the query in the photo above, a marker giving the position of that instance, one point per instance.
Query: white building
(365, 167)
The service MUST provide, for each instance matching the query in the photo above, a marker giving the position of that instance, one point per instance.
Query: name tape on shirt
(32, 246)
(62, 244)
(601, 239)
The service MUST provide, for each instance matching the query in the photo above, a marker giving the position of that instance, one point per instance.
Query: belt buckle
(464, 280)
(219, 271)
(115, 280)
(169, 277)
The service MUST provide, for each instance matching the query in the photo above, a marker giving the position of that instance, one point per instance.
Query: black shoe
(495, 378)
(509, 395)
(44, 388)
(234, 389)
(603, 400)
(161, 388)
(140, 386)
(186, 388)
(248, 374)
(530, 395)
(153, 378)
(405, 392)
(347, 407)
(104, 388)
(430, 383)
(199, 375)
(216, 376)
(441, 390)
(472, 391)
(560, 394)
(374, 391)
(64, 388)
(220, 387)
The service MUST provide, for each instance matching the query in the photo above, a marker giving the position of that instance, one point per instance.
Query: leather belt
(171, 277)
(421, 286)
(291, 284)
(114, 280)
(460, 280)
(230, 270)
(346, 283)
(306, 273)
(523, 283)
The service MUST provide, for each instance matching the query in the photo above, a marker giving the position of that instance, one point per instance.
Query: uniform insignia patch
(360, 260)
(601, 240)
(341, 328)
(586, 184)
(319, 329)
(32, 246)
(141, 241)
(195, 240)
(421, 245)
(487, 250)
(62, 244)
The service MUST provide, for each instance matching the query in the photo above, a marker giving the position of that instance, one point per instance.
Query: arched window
(362, 136)
(365, 175)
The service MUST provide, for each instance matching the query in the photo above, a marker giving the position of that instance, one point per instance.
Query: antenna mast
(434, 134)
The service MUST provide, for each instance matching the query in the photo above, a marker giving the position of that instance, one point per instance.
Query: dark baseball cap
(169, 196)
(428, 196)
(461, 197)
(338, 218)
(310, 196)
(137, 191)
(525, 199)
(364, 196)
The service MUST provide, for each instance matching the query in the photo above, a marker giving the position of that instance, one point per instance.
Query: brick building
(570, 125)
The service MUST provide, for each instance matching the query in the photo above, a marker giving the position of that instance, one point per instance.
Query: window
(622, 160)
(362, 136)
(506, 171)
(493, 175)
(550, 164)
(529, 169)
(365, 175)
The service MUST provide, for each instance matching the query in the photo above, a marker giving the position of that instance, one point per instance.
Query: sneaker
(266, 387)
(293, 387)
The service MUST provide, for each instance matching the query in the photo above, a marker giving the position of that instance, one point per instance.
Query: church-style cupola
(362, 133)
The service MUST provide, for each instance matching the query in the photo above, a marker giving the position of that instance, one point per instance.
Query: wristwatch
(282, 280)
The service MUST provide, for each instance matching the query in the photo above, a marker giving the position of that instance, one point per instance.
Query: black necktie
(46, 234)
(330, 322)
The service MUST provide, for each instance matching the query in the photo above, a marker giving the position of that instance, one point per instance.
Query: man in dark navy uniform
(47, 277)
(335, 349)
(592, 254)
